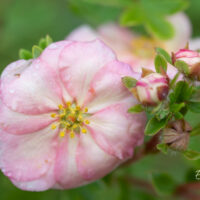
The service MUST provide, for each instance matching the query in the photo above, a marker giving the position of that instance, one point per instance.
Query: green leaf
(178, 115)
(192, 155)
(194, 106)
(36, 51)
(195, 131)
(44, 42)
(176, 107)
(136, 109)
(25, 54)
(163, 183)
(162, 113)
(154, 126)
(129, 82)
(132, 16)
(160, 62)
(173, 81)
(49, 40)
(164, 54)
(159, 27)
(182, 67)
(162, 147)
(165, 7)
(115, 3)
(182, 92)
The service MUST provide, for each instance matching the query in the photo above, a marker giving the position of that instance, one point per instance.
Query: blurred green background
(22, 24)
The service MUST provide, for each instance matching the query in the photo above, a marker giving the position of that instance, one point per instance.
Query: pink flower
(192, 58)
(63, 117)
(133, 49)
(152, 88)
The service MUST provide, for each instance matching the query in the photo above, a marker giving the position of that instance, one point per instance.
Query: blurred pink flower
(138, 51)
(63, 117)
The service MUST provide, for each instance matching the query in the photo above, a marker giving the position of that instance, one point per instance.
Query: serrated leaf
(136, 109)
(160, 62)
(36, 51)
(163, 183)
(129, 82)
(154, 126)
(192, 155)
(25, 54)
(182, 67)
(162, 147)
(194, 106)
(164, 54)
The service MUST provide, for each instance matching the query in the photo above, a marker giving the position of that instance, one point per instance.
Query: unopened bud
(192, 59)
(152, 89)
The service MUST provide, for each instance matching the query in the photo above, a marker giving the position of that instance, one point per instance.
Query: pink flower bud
(63, 117)
(192, 58)
(152, 88)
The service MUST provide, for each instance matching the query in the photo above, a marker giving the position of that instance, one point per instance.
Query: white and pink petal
(36, 90)
(107, 88)
(79, 62)
(92, 161)
(116, 131)
(27, 157)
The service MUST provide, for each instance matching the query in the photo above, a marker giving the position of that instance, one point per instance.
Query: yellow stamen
(68, 103)
(53, 126)
(72, 134)
(83, 130)
(80, 118)
(62, 133)
(78, 107)
(87, 121)
(60, 106)
(70, 119)
(53, 115)
(74, 126)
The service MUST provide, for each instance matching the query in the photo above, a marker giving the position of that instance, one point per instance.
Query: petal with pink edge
(66, 172)
(93, 162)
(34, 91)
(45, 182)
(18, 123)
(107, 88)
(116, 131)
(27, 157)
(51, 56)
(79, 62)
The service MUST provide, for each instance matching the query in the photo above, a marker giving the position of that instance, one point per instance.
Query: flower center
(71, 119)
(144, 47)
